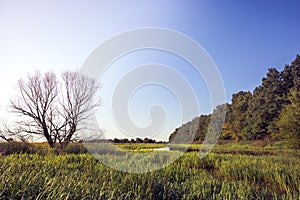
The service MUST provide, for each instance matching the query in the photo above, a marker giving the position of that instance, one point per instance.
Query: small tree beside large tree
(54, 109)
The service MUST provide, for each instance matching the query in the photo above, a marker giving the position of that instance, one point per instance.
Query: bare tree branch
(54, 110)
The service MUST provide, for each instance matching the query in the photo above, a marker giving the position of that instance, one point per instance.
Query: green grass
(217, 176)
(140, 147)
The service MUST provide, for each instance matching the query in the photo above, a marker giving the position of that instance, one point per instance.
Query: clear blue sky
(244, 38)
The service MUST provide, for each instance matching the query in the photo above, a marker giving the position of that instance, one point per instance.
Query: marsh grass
(216, 176)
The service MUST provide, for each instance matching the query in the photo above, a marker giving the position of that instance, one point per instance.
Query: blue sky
(244, 38)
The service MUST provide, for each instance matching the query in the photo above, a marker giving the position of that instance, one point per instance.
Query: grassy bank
(217, 176)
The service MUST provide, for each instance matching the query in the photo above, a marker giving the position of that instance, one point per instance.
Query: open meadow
(149, 100)
(228, 172)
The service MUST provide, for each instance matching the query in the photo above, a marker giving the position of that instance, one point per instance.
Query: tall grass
(217, 176)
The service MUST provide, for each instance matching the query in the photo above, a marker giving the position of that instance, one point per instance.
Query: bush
(76, 148)
(16, 147)
(38, 148)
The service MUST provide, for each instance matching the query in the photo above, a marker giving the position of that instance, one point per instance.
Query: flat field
(228, 172)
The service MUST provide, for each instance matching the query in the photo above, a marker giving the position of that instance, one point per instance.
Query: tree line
(137, 140)
(271, 111)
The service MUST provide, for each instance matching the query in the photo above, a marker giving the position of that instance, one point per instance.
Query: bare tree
(3, 137)
(77, 104)
(52, 109)
(7, 133)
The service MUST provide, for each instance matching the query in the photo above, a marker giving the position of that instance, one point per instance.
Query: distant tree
(173, 134)
(289, 120)
(132, 141)
(139, 140)
(125, 140)
(217, 120)
(148, 140)
(251, 115)
(116, 140)
(202, 127)
(195, 130)
(52, 109)
(237, 116)
(152, 141)
(186, 133)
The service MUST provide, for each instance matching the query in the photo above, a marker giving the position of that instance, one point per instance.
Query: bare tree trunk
(52, 112)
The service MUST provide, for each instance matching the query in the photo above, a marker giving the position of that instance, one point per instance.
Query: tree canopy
(271, 110)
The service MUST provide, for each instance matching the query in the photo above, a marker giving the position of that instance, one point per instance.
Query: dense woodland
(271, 111)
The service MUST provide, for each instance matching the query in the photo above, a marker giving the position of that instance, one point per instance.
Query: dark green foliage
(203, 126)
(16, 147)
(265, 105)
(289, 120)
(255, 115)
(217, 120)
(200, 127)
(39, 148)
(75, 148)
(138, 140)
(197, 129)
(237, 116)
(186, 133)
(295, 71)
